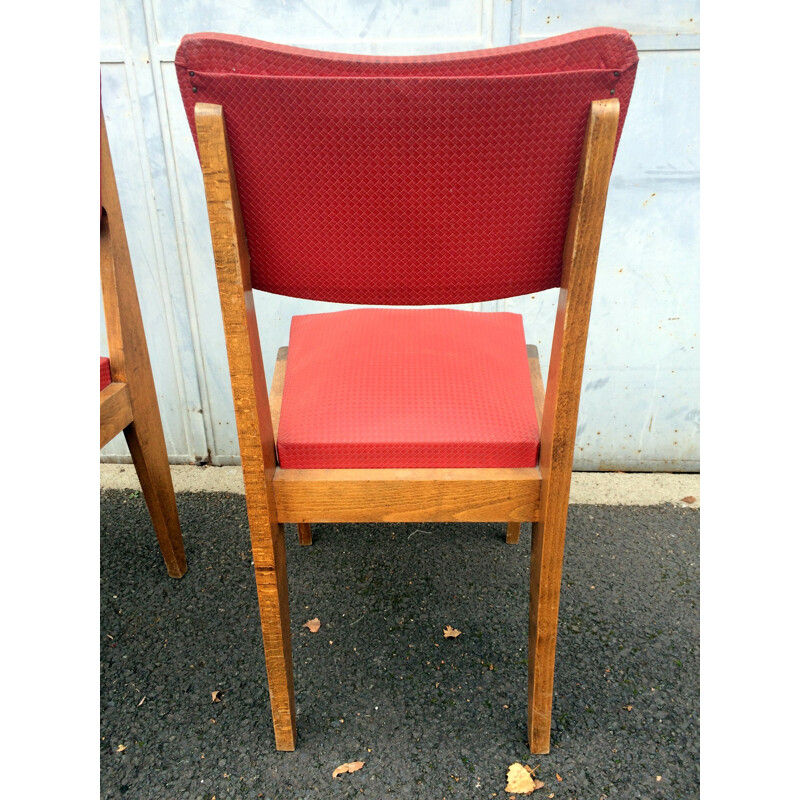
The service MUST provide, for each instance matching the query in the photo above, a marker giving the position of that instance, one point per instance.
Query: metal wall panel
(640, 406)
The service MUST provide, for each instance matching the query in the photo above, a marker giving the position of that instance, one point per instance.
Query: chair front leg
(512, 532)
(149, 453)
(304, 532)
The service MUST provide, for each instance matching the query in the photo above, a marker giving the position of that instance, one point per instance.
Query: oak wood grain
(276, 392)
(560, 418)
(253, 419)
(512, 532)
(407, 495)
(115, 411)
(536, 382)
(304, 533)
(513, 529)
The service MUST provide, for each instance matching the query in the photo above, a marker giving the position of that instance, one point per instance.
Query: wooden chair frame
(539, 495)
(129, 402)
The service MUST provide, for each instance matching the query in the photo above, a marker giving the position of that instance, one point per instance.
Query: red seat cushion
(105, 372)
(407, 388)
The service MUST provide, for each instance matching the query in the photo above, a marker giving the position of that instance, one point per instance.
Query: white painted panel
(365, 26)
(110, 29)
(675, 18)
(640, 403)
(149, 225)
(641, 382)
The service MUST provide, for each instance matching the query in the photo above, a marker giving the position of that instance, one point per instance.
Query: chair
(127, 392)
(433, 180)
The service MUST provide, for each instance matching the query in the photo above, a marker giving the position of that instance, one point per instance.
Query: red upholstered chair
(408, 181)
(127, 393)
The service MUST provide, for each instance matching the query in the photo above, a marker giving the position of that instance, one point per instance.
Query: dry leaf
(451, 633)
(215, 696)
(552, 794)
(142, 701)
(689, 499)
(351, 766)
(312, 625)
(628, 708)
(121, 747)
(520, 780)
(559, 778)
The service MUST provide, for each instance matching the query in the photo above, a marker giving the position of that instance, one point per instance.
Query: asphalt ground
(430, 717)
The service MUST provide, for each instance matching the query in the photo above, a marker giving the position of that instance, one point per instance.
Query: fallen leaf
(559, 778)
(312, 625)
(552, 794)
(628, 708)
(689, 499)
(121, 747)
(520, 780)
(215, 696)
(658, 777)
(351, 766)
(451, 633)
(141, 701)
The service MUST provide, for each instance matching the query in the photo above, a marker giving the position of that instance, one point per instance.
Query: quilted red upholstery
(406, 180)
(105, 372)
(386, 388)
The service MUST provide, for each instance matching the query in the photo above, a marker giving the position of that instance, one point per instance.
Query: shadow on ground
(430, 717)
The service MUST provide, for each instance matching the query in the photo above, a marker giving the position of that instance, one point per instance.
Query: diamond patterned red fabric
(394, 388)
(406, 180)
(105, 372)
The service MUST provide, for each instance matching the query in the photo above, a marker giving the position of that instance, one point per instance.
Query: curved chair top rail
(406, 180)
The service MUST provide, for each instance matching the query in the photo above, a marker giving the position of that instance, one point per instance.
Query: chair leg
(273, 601)
(145, 439)
(512, 532)
(547, 552)
(304, 532)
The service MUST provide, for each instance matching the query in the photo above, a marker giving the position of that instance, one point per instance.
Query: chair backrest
(406, 180)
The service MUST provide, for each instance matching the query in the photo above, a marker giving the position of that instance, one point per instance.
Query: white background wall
(640, 404)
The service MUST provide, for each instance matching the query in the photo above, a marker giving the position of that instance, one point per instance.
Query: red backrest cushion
(406, 180)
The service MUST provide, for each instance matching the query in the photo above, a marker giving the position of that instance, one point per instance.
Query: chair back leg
(560, 414)
(253, 417)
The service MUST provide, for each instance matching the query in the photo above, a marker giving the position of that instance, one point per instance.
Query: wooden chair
(127, 393)
(407, 181)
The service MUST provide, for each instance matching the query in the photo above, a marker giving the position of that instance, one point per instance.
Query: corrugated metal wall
(640, 405)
